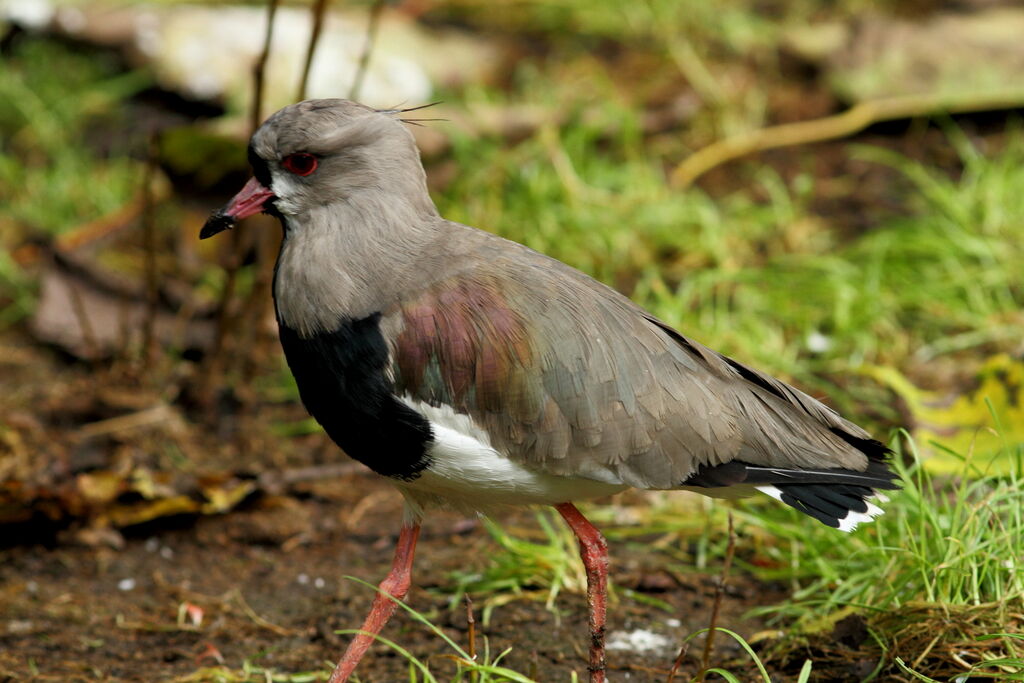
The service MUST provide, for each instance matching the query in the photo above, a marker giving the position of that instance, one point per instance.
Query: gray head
(318, 153)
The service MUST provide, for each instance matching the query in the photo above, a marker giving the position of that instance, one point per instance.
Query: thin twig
(471, 626)
(678, 663)
(730, 550)
(851, 121)
(239, 599)
(257, 305)
(319, 9)
(252, 311)
(92, 348)
(364, 59)
(259, 69)
(91, 232)
(276, 482)
(142, 419)
(214, 363)
(709, 641)
(149, 241)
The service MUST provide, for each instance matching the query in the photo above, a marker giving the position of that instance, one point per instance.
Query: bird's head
(317, 153)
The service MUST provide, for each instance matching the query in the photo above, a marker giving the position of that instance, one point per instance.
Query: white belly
(466, 472)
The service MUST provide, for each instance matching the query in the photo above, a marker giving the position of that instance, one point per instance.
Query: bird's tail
(838, 498)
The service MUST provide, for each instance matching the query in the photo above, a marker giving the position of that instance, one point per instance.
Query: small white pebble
(166, 552)
(639, 640)
(151, 545)
(303, 579)
(126, 584)
(673, 623)
(18, 626)
(319, 583)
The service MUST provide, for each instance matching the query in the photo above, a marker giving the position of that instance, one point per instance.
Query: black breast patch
(342, 382)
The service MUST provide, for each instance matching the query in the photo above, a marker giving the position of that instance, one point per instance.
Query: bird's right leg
(396, 585)
(594, 552)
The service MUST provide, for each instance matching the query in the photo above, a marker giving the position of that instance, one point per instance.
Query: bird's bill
(249, 201)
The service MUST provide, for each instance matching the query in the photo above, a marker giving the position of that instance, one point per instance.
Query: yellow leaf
(101, 487)
(985, 423)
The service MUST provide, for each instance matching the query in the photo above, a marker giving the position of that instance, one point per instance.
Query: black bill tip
(217, 222)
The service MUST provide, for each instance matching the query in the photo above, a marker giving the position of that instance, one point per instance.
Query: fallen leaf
(985, 422)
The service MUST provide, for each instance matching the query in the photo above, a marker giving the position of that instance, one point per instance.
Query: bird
(475, 373)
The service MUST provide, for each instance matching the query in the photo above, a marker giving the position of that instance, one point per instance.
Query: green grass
(470, 665)
(944, 559)
(485, 668)
(523, 568)
(51, 98)
(955, 541)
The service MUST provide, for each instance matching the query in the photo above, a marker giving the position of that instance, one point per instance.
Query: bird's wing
(568, 376)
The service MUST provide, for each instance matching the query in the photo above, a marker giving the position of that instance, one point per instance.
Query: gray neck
(352, 258)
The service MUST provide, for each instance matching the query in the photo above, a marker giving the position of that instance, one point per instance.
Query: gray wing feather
(620, 395)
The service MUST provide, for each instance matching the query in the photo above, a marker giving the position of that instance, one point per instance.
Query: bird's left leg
(594, 551)
(396, 585)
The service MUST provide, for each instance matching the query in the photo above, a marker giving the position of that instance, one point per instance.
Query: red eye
(300, 163)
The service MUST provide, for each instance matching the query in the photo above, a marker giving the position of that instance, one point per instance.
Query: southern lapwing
(474, 372)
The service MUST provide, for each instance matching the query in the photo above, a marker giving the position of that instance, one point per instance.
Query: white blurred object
(639, 640)
(210, 52)
(31, 14)
(818, 343)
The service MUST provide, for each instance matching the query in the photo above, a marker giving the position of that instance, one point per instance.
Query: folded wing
(568, 376)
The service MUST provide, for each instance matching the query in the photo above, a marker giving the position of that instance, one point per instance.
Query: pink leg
(397, 585)
(594, 551)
